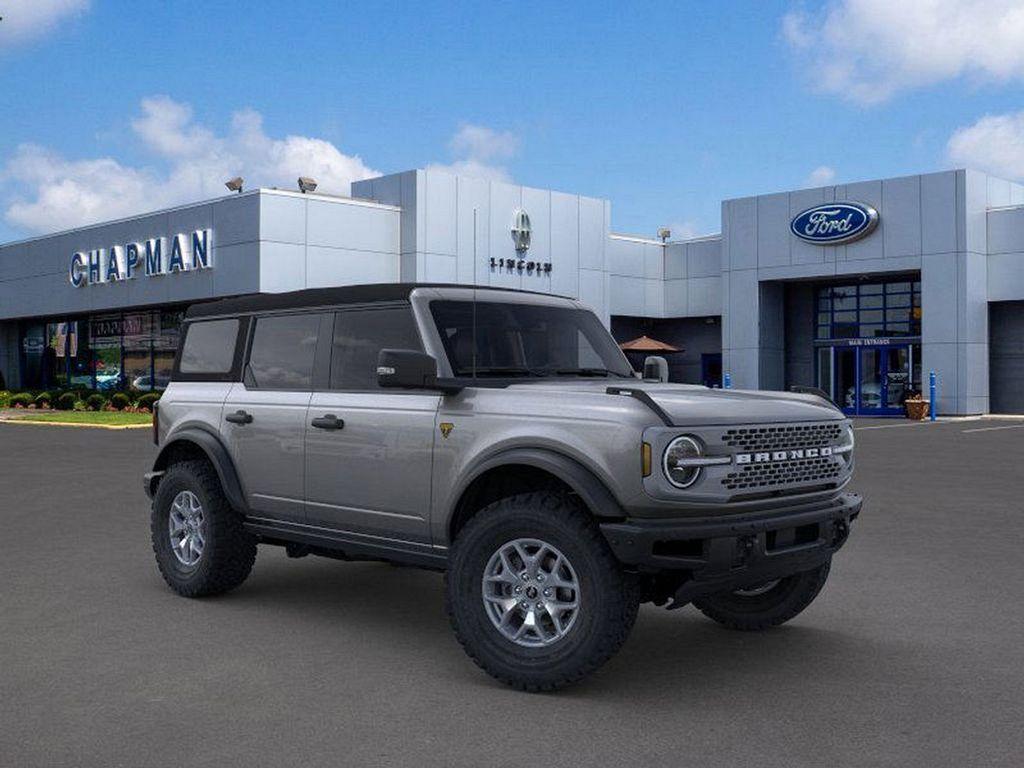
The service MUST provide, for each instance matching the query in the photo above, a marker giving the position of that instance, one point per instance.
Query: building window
(869, 310)
(109, 351)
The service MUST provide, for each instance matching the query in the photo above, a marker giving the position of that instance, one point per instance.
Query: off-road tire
(750, 613)
(230, 550)
(609, 597)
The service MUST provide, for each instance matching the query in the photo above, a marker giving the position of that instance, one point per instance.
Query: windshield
(526, 340)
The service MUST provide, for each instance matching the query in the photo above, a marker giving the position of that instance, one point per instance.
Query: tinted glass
(360, 335)
(209, 347)
(282, 351)
(526, 340)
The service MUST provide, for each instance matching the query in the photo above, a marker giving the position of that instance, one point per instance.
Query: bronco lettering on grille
(765, 457)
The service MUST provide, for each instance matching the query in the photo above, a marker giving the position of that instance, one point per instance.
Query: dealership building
(860, 289)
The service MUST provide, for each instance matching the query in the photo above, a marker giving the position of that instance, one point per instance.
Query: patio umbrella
(647, 344)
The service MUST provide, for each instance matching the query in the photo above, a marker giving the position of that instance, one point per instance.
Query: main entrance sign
(834, 223)
(156, 256)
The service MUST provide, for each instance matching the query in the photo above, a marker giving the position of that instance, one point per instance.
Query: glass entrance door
(870, 380)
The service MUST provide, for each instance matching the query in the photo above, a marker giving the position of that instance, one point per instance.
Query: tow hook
(840, 531)
(744, 546)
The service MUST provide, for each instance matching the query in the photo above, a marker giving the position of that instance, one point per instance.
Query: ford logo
(834, 223)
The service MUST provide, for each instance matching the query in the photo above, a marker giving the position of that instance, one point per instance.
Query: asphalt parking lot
(912, 656)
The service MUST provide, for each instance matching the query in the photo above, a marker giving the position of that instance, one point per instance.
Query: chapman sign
(834, 223)
(156, 256)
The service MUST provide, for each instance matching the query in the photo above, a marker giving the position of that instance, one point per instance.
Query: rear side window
(283, 349)
(360, 335)
(209, 347)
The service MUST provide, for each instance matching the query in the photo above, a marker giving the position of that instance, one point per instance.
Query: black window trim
(236, 363)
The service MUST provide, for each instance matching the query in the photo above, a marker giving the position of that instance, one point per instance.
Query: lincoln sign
(834, 223)
(156, 256)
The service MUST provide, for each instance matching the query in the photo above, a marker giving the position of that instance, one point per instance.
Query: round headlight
(675, 463)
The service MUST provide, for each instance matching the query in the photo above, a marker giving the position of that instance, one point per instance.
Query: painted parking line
(891, 426)
(992, 429)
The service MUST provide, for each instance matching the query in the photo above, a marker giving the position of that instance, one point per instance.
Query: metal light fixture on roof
(664, 233)
(306, 184)
(235, 184)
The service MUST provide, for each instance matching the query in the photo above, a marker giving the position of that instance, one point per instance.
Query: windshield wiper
(503, 370)
(588, 372)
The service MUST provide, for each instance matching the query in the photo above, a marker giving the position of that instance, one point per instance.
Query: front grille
(783, 473)
(753, 439)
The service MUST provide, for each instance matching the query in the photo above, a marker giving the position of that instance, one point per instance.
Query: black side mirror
(409, 369)
(406, 369)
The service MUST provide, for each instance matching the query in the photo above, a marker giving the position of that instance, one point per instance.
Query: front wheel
(534, 594)
(765, 605)
(200, 544)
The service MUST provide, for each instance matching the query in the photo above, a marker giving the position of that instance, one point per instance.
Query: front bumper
(722, 554)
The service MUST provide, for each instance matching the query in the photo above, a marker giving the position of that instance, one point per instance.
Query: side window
(360, 335)
(209, 347)
(282, 351)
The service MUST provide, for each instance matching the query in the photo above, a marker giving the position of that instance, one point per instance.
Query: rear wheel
(534, 594)
(200, 545)
(764, 605)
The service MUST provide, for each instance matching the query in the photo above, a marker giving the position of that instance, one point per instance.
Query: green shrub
(120, 401)
(5, 398)
(95, 402)
(24, 399)
(66, 402)
(147, 400)
(43, 400)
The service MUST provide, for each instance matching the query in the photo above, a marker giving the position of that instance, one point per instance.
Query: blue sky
(110, 107)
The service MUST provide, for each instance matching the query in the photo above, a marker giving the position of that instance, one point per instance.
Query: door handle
(330, 421)
(239, 417)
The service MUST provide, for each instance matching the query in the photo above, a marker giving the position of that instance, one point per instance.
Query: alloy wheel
(531, 592)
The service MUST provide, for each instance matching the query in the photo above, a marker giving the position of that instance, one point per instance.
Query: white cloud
(481, 143)
(820, 176)
(868, 50)
(25, 20)
(479, 151)
(994, 143)
(190, 162)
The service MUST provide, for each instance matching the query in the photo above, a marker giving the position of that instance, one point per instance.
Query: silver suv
(502, 437)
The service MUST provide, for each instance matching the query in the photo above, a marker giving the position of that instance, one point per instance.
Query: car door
(368, 450)
(265, 414)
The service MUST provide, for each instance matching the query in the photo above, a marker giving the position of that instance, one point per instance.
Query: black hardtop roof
(323, 297)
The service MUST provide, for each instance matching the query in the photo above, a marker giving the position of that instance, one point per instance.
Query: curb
(75, 424)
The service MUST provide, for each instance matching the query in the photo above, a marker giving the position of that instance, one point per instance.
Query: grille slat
(783, 473)
(751, 439)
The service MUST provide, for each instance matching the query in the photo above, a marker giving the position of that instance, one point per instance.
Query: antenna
(473, 335)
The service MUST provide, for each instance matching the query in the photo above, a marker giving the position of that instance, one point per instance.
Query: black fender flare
(583, 482)
(218, 456)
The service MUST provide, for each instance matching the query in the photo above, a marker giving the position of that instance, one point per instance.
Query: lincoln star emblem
(521, 230)
(446, 428)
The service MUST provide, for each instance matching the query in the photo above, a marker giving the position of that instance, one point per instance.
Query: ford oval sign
(834, 223)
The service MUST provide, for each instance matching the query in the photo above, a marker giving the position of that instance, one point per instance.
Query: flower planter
(917, 409)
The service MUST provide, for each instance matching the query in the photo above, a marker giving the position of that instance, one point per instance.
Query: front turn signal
(645, 458)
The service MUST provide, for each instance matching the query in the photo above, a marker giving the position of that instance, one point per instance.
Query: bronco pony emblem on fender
(834, 223)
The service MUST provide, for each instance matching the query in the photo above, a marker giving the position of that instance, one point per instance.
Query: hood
(695, 405)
